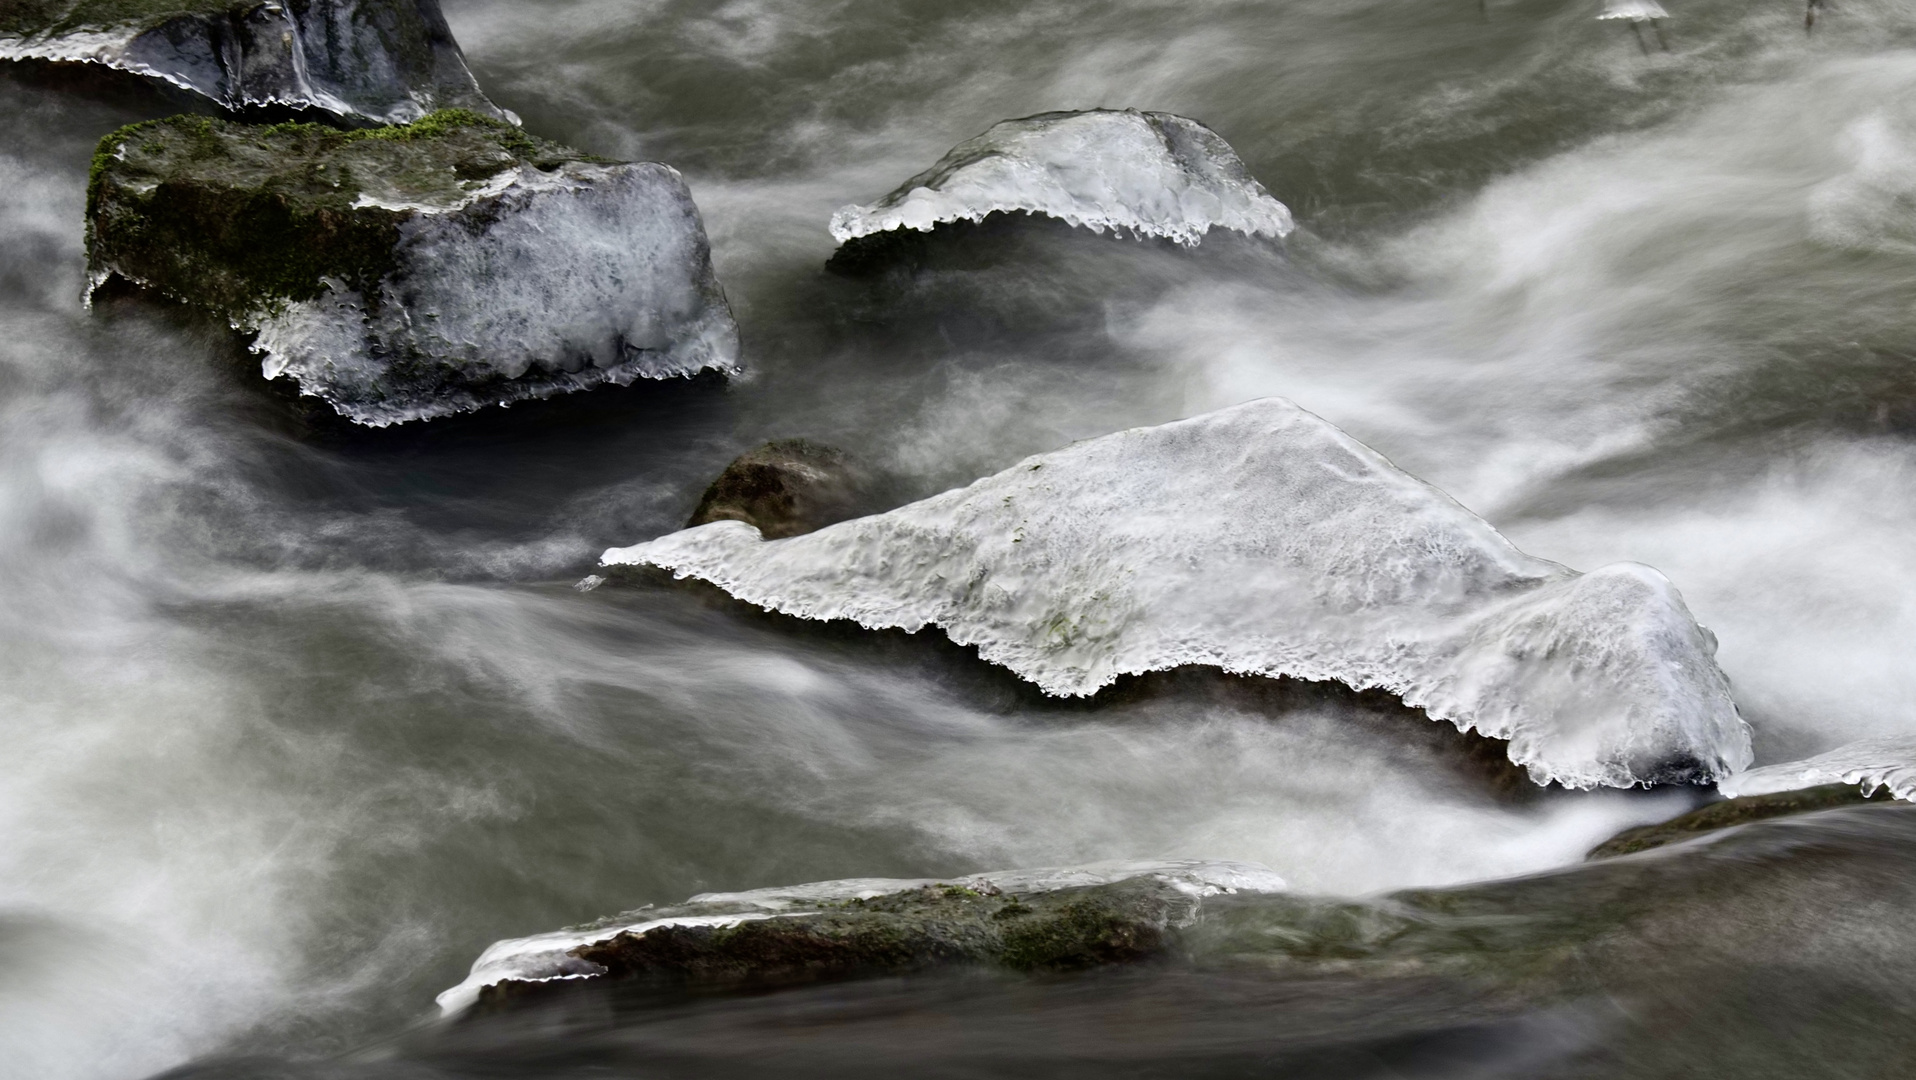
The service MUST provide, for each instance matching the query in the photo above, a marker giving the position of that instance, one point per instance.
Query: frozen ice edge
(1869, 764)
(1146, 173)
(546, 957)
(1263, 541)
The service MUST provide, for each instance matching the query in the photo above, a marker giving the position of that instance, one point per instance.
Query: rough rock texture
(1261, 540)
(786, 488)
(1030, 920)
(1144, 173)
(408, 272)
(383, 61)
(1727, 814)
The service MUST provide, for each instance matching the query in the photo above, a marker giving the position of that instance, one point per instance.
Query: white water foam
(545, 957)
(1147, 173)
(1262, 540)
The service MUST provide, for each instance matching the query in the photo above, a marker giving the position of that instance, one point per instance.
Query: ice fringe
(544, 957)
(1869, 763)
(1148, 173)
(388, 62)
(538, 284)
(1262, 540)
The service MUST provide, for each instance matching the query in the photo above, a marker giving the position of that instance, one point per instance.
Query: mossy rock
(370, 61)
(1729, 813)
(415, 270)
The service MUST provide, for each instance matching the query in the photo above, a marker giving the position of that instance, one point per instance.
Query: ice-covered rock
(1145, 173)
(409, 272)
(1053, 917)
(1261, 540)
(1869, 764)
(387, 61)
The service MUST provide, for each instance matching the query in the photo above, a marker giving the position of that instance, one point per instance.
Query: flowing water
(297, 720)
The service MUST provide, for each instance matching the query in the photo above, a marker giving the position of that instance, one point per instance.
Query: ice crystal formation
(384, 61)
(1264, 541)
(1144, 173)
(408, 272)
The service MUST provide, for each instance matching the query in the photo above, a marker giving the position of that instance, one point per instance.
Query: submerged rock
(408, 272)
(1725, 814)
(1029, 920)
(1145, 173)
(1261, 540)
(786, 488)
(385, 61)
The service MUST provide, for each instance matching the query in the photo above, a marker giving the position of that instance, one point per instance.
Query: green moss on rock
(239, 220)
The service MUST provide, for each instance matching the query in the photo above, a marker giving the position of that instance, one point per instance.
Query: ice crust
(1634, 10)
(1147, 173)
(388, 61)
(536, 284)
(1869, 764)
(544, 957)
(1262, 540)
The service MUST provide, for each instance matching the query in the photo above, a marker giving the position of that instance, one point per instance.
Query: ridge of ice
(533, 284)
(546, 957)
(1264, 541)
(322, 55)
(1148, 173)
(1868, 763)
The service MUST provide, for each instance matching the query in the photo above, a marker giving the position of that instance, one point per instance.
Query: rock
(1726, 814)
(1263, 541)
(380, 61)
(1032, 920)
(786, 488)
(408, 272)
(1144, 173)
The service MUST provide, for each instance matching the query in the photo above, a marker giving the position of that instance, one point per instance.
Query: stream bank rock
(1148, 174)
(416, 271)
(375, 61)
(1262, 540)
(787, 487)
(1024, 920)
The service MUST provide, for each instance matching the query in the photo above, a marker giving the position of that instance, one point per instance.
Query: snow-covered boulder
(1261, 540)
(1144, 173)
(1059, 917)
(408, 272)
(1869, 764)
(385, 61)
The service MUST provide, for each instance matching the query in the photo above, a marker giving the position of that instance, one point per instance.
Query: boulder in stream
(787, 487)
(1023, 920)
(375, 61)
(1149, 174)
(415, 271)
(1262, 540)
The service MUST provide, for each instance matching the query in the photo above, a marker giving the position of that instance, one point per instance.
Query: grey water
(294, 721)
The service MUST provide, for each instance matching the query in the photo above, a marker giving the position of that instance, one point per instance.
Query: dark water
(296, 721)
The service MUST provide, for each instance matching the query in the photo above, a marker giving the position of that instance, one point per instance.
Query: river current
(296, 720)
